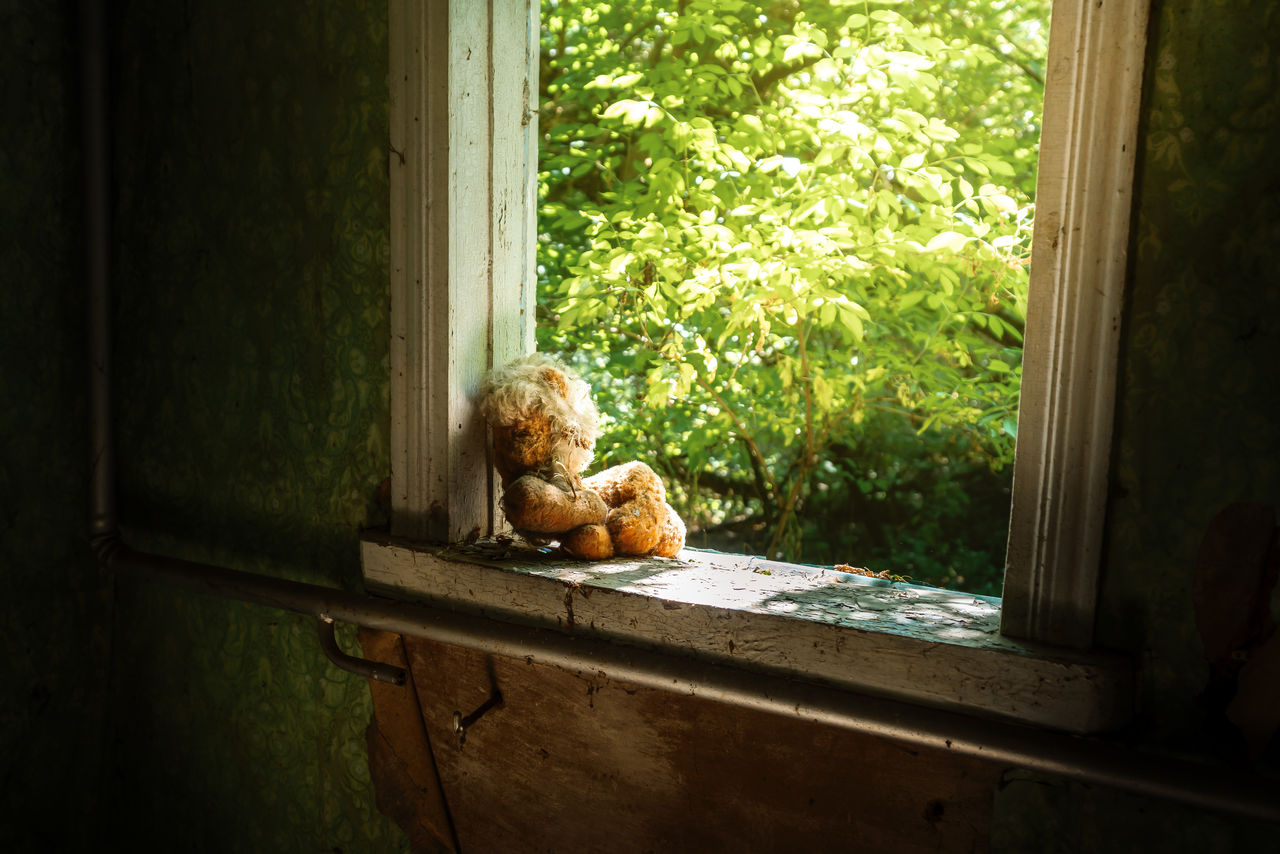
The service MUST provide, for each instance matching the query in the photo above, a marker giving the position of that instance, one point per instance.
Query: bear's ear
(555, 379)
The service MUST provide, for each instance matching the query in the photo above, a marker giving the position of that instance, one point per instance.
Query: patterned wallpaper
(1198, 425)
(1199, 417)
(252, 388)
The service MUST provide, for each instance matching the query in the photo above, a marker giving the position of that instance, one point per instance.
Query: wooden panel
(463, 163)
(920, 644)
(569, 763)
(404, 774)
(1083, 198)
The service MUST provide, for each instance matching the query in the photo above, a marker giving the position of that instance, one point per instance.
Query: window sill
(935, 647)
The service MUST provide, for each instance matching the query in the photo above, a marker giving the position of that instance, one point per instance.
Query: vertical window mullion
(1083, 198)
(463, 161)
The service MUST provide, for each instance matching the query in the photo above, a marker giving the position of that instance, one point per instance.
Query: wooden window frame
(464, 146)
(463, 167)
(1084, 197)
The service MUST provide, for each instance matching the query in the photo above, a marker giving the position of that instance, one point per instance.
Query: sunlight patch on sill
(822, 595)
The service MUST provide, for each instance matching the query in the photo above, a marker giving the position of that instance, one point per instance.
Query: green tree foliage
(787, 243)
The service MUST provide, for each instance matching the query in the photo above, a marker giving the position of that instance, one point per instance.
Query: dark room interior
(249, 263)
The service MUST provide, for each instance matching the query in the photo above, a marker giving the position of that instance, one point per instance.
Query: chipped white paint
(920, 644)
(1083, 199)
(463, 163)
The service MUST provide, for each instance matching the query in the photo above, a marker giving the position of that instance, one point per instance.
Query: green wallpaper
(53, 614)
(252, 387)
(1199, 420)
(1198, 426)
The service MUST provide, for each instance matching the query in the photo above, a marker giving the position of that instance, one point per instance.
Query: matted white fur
(511, 393)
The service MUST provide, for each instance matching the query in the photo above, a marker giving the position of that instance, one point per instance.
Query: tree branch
(743, 435)
(764, 83)
(717, 483)
(793, 494)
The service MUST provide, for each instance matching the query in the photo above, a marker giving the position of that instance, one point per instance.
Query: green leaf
(633, 112)
(909, 299)
(946, 241)
(913, 161)
(799, 50)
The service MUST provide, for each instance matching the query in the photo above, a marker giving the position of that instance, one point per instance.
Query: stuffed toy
(545, 425)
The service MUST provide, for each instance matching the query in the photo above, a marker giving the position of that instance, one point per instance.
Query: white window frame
(464, 148)
(1084, 196)
(463, 167)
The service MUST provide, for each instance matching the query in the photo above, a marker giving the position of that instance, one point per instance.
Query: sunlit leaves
(634, 113)
(765, 221)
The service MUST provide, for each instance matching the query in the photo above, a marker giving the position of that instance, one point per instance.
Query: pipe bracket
(388, 673)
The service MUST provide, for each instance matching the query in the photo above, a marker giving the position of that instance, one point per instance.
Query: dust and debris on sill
(837, 595)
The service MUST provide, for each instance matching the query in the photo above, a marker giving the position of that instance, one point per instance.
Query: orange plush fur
(545, 426)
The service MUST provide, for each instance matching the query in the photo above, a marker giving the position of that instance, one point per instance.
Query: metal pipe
(94, 93)
(362, 667)
(1087, 759)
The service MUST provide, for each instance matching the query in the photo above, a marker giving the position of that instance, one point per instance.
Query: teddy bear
(545, 424)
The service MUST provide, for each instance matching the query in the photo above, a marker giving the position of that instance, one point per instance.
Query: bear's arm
(537, 506)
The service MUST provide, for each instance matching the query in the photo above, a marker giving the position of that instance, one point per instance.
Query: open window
(463, 159)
